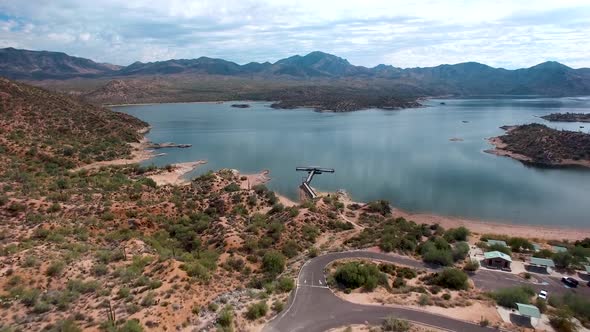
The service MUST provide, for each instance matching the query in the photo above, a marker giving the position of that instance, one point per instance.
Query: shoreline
(185, 102)
(481, 226)
(500, 150)
(551, 232)
(176, 175)
(545, 232)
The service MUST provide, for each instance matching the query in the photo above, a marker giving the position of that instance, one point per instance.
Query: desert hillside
(46, 127)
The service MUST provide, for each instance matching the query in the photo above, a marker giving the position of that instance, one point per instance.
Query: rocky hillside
(25, 64)
(546, 146)
(46, 127)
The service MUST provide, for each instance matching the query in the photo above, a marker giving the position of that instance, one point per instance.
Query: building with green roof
(541, 265)
(528, 310)
(497, 260)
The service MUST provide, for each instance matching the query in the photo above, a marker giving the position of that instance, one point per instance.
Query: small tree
(395, 324)
(273, 262)
(457, 234)
(562, 321)
(563, 259)
(452, 278)
(471, 266)
(257, 310)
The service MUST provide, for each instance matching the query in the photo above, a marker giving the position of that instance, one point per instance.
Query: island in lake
(540, 145)
(567, 117)
(240, 105)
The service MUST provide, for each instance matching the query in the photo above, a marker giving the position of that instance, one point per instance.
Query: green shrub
(29, 297)
(285, 284)
(79, 286)
(131, 325)
(508, 297)
(563, 259)
(100, 269)
(452, 278)
(290, 249)
(460, 251)
(273, 262)
(55, 268)
(398, 282)
(424, 299)
(541, 304)
(471, 266)
(437, 256)
(353, 275)
(41, 307)
(232, 187)
(518, 244)
(226, 317)
(394, 324)
(124, 292)
(149, 299)
(543, 253)
(196, 270)
(500, 248)
(381, 206)
(578, 305)
(313, 252)
(277, 306)
(257, 310)
(66, 325)
(562, 321)
(456, 234)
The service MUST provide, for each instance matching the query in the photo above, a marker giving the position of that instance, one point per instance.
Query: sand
(473, 313)
(176, 175)
(263, 177)
(481, 227)
(251, 180)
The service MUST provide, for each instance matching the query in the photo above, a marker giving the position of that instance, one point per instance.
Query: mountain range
(314, 69)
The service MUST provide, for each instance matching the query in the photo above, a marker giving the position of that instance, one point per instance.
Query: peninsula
(540, 145)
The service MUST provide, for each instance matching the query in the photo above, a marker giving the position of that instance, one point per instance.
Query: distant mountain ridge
(463, 79)
(25, 64)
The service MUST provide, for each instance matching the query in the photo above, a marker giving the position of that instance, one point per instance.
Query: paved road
(315, 308)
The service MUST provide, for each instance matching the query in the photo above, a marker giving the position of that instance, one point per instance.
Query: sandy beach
(262, 178)
(481, 227)
(175, 176)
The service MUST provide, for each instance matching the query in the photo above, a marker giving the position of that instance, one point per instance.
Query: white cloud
(404, 33)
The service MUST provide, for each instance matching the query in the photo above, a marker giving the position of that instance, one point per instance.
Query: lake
(403, 156)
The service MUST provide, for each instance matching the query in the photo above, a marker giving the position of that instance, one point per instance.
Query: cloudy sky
(404, 33)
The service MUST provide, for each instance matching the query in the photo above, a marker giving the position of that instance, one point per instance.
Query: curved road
(315, 308)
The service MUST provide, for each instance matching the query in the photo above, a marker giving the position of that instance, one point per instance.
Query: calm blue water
(403, 156)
